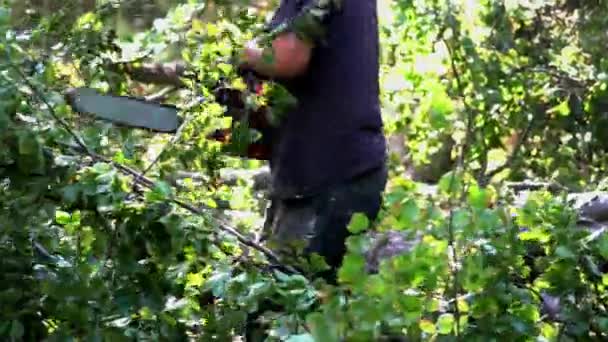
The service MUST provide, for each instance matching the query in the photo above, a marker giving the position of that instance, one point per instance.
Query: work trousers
(297, 228)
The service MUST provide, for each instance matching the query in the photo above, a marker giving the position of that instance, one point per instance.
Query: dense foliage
(100, 239)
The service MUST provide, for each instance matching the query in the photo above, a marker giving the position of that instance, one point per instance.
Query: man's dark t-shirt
(335, 132)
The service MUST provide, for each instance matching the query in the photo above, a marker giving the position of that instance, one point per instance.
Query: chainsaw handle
(233, 99)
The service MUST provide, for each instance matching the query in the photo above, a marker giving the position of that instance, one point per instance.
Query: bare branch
(155, 73)
(161, 95)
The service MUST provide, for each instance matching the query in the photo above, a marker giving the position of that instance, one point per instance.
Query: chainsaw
(139, 113)
(144, 114)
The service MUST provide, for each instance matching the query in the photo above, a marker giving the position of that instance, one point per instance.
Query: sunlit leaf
(445, 323)
(62, 217)
(358, 223)
(427, 326)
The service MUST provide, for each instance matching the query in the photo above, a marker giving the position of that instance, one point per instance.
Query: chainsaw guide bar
(124, 110)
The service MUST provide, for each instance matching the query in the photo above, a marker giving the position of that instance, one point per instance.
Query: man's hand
(289, 57)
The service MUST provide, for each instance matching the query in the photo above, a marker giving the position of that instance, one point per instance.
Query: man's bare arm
(291, 49)
(288, 57)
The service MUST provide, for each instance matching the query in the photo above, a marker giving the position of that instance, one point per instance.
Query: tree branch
(155, 73)
(147, 183)
(161, 95)
(139, 179)
(460, 165)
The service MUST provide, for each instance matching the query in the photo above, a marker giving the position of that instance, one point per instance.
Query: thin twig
(172, 142)
(111, 232)
(514, 154)
(452, 243)
(160, 95)
(460, 165)
(171, 74)
(224, 226)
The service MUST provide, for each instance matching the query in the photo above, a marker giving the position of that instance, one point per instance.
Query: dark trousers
(300, 227)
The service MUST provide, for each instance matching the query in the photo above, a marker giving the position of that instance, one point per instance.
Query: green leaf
(427, 326)
(217, 282)
(352, 268)
(238, 198)
(322, 328)
(451, 183)
(438, 105)
(549, 331)
(461, 219)
(5, 16)
(478, 197)
(528, 312)
(565, 253)
(161, 192)
(445, 323)
(602, 322)
(592, 266)
(31, 158)
(563, 109)
(226, 68)
(357, 244)
(603, 246)
(70, 193)
(537, 234)
(62, 217)
(27, 144)
(194, 279)
(358, 223)
(212, 30)
(376, 286)
(146, 313)
(318, 263)
(408, 215)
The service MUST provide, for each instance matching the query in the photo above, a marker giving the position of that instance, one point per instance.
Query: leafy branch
(460, 165)
(141, 179)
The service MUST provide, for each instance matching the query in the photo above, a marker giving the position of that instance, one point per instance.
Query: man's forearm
(287, 57)
(293, 42)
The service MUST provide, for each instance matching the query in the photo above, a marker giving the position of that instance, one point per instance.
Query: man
(328, 155)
